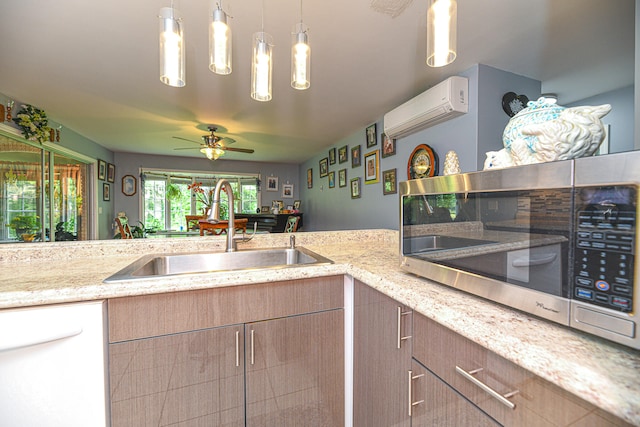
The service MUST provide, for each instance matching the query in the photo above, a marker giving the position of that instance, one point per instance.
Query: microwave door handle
(533, 261)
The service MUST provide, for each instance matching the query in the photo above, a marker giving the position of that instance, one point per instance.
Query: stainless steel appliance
(557, 240)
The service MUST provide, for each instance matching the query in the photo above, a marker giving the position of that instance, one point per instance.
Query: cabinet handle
(237, 348)
(400, 337)
(500, 398)
(411, 402)
(252, 348)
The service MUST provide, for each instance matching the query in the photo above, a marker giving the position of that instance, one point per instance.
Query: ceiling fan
(212, 146)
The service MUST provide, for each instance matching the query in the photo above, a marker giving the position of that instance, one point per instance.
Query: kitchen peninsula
(599, 372)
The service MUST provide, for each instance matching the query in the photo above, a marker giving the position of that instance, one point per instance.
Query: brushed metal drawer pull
(252, 348)
(411, 402)
(500, 398)
(237, 348)
(400, 337)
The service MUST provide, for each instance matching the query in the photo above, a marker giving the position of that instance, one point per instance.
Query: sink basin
(153, 266)
(412, 245)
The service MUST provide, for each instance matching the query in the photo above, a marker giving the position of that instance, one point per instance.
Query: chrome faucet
(214, 216)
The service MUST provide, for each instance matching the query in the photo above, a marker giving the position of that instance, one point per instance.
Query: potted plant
(25, 226)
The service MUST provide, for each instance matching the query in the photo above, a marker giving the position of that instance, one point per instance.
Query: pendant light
(300, 56)
(212, 153)
(172, 52)
(219, 42)
(261, 64)
(442, 19)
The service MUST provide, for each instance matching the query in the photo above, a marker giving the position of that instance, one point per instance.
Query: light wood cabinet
(435, 403)
(181, 358)
(382, 359)
(510, 394)
(295, 371)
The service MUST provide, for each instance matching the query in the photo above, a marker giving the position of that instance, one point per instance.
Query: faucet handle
(244, 238)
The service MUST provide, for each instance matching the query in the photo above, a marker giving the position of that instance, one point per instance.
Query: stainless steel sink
(153, 266)
(438, 243)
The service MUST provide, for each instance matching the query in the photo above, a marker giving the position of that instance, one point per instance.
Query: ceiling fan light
(219, 43)
(172, 51)
(212, 153)
(300, 58)
(261, 66)
(442, 18)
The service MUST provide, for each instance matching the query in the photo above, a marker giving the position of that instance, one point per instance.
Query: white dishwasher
(53, 366)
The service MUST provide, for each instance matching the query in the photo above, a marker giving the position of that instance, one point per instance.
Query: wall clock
(423, 162)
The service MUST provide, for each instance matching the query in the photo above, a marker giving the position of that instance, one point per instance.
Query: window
(169, 196)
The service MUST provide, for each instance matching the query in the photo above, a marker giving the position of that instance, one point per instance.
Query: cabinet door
(439, 404)
(380, 396)
(295, 371)
(189, 379)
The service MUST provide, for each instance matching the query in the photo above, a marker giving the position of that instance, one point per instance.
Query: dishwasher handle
(18, 342)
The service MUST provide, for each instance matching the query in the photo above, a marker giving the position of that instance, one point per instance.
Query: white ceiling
(93, 66)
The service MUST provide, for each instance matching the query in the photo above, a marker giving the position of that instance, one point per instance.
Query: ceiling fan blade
(188, 148)
(189, 140)
(239, 150)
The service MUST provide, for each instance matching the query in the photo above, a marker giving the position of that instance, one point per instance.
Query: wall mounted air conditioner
(444, 101)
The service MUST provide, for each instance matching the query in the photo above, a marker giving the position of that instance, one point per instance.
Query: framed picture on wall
(356, 159)
(332, 156)
(310, 178)
(388, 146)
(372, 139)
(343, 154)
(332, 179)
(287, 191)
(297, 204)
(389, 182)
(106, 192)
(129, 184)
(355, 188)
(102, 170)
(342, 178)
(371, 167)
(272, 183)
(324, 167)
(111, 172)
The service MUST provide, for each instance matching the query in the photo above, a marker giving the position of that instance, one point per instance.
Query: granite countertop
(603, 373)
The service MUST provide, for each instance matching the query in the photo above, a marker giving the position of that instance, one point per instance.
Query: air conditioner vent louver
(442, 102)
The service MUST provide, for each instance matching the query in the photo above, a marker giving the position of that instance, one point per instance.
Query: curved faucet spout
(214, 215)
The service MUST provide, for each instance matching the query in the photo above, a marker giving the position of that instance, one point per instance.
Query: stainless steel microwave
(556, 240)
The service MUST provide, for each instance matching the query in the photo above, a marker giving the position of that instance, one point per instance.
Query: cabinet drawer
(536, 401)
(160, 314)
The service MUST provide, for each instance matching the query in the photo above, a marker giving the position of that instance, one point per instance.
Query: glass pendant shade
(172, 52)
(442, 18)
(212, 153)
(219, 43)
(300, 58)
(261, 66)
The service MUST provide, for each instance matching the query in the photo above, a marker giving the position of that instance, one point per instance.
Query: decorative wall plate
(512, 104)
(423, 162)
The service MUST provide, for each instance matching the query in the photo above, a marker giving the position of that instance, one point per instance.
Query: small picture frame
(310, 178)
(355, 188)
(265, 209)
(287, 191)
(324, 167)
(342, 178)
(343, 154)
(102, 170)
(129, 185)
(332, 179)
(111, 172)
(297, 204)
(106, 192)
(356, 159)
(388, 146)
(272, 183)
(332, 156)
(371, 167)
(372, 137)
(389, 182)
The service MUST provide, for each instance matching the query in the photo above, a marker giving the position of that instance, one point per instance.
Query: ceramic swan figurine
(545, 132)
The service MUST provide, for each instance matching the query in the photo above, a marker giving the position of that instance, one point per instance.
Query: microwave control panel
(604, 252)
